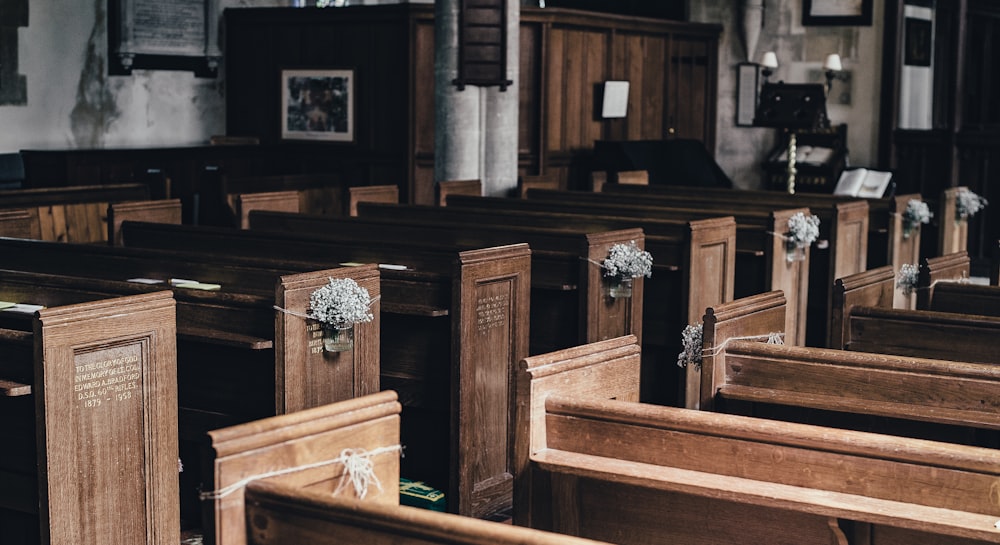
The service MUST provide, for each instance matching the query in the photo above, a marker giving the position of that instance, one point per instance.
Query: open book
(861, 182)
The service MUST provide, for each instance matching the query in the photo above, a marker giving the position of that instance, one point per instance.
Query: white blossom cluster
(803, 230)
(968, 203)
(917, 212)
(692, 339)
(628, 261)
(907, 278)
(330, 3)
(340, 303)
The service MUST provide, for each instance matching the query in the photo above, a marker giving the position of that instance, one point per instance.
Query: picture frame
(747, 84)
(836, 12)
(317, 104)
(614, 103)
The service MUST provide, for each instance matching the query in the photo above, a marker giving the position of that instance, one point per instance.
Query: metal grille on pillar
(482, 44)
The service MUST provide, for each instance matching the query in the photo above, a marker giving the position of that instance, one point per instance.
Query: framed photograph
(317, 105)
(747, 76)
(837, 12)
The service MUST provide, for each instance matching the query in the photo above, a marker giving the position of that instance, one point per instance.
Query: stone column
(475, 129)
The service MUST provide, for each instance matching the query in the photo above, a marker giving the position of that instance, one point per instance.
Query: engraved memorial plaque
(147, 30)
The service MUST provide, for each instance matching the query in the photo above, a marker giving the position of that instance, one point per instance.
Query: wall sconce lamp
(831, 65)
(769, 62)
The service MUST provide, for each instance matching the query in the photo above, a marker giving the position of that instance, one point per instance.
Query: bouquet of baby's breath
(627, 261)
(692, 339)
(908, 278)
(967, 204)
(917, 213)
(341, 303)
(803, 229)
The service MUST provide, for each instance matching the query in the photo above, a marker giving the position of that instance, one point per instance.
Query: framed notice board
(482, 44)
(164, 35)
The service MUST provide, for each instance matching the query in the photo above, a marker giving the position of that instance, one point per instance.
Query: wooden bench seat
(299, 507)
(897, 395)
(840, 250)
(89, 404)
(569, 303)
(454, 323)
(863, 320)
(606, 468)
(944, 286)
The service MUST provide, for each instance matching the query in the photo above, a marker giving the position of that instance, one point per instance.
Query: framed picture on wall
(317, 105)
(837, 12)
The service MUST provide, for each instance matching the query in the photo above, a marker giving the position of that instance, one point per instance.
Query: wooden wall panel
(553, 89)
(530, 98)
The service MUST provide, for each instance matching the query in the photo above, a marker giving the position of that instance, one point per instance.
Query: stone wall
(800, 50)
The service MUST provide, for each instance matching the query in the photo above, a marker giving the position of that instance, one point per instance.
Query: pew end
(158, 211)
(370, 193)
(607, 369)
(456, 187)
(954, 267)
(954, 232)
(872, 288)
(542, 181)
(750, 318)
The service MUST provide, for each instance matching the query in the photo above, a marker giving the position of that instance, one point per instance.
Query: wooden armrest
(223, 338)
(942, 415)
(781, 496)
(10, 388)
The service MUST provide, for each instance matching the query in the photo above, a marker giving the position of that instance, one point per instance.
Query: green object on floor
(418, 494)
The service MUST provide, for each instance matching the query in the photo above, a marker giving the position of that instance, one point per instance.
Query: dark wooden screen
(482, 44)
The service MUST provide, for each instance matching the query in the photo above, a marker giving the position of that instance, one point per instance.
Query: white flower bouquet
(803, 230)
(907, 278)
(341, 303)
(916, 214)
(692, 340)
(967, 204)
(627, 261)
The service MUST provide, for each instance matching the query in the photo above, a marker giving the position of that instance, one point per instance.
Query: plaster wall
(800, 50)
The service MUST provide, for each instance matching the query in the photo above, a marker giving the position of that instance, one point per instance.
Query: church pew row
(897, 395)
(454, 324)
(840, 250)
(887, 242)
(88, 397)
(603, 467)
(863, 320)
(761, 263)
(943, 286)
(67, 214)
(569, 303)
(239, 359)
(292, 201)
(313, 505)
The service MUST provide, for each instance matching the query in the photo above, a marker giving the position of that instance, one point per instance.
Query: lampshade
(833, 63)
(769, 60)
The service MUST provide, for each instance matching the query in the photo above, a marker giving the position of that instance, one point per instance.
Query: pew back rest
(280, 514)
(370, 193)
(855, 464)
(159, 211)
(872, 288)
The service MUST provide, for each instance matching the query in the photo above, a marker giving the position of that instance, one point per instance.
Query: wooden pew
(864, 320)
(693, 265)
(758, 264)
(456, 187)
(843, 227)
(604, 468)
(570, 306)
(159, 211)
(943, 286)
(292, 201)
(67, 214)
(543, 181)
(897, 395)
(310, 505)
(454, 324)
(240, 359)
(88, 396)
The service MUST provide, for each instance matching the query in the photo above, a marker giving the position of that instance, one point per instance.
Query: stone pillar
(475, 129)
